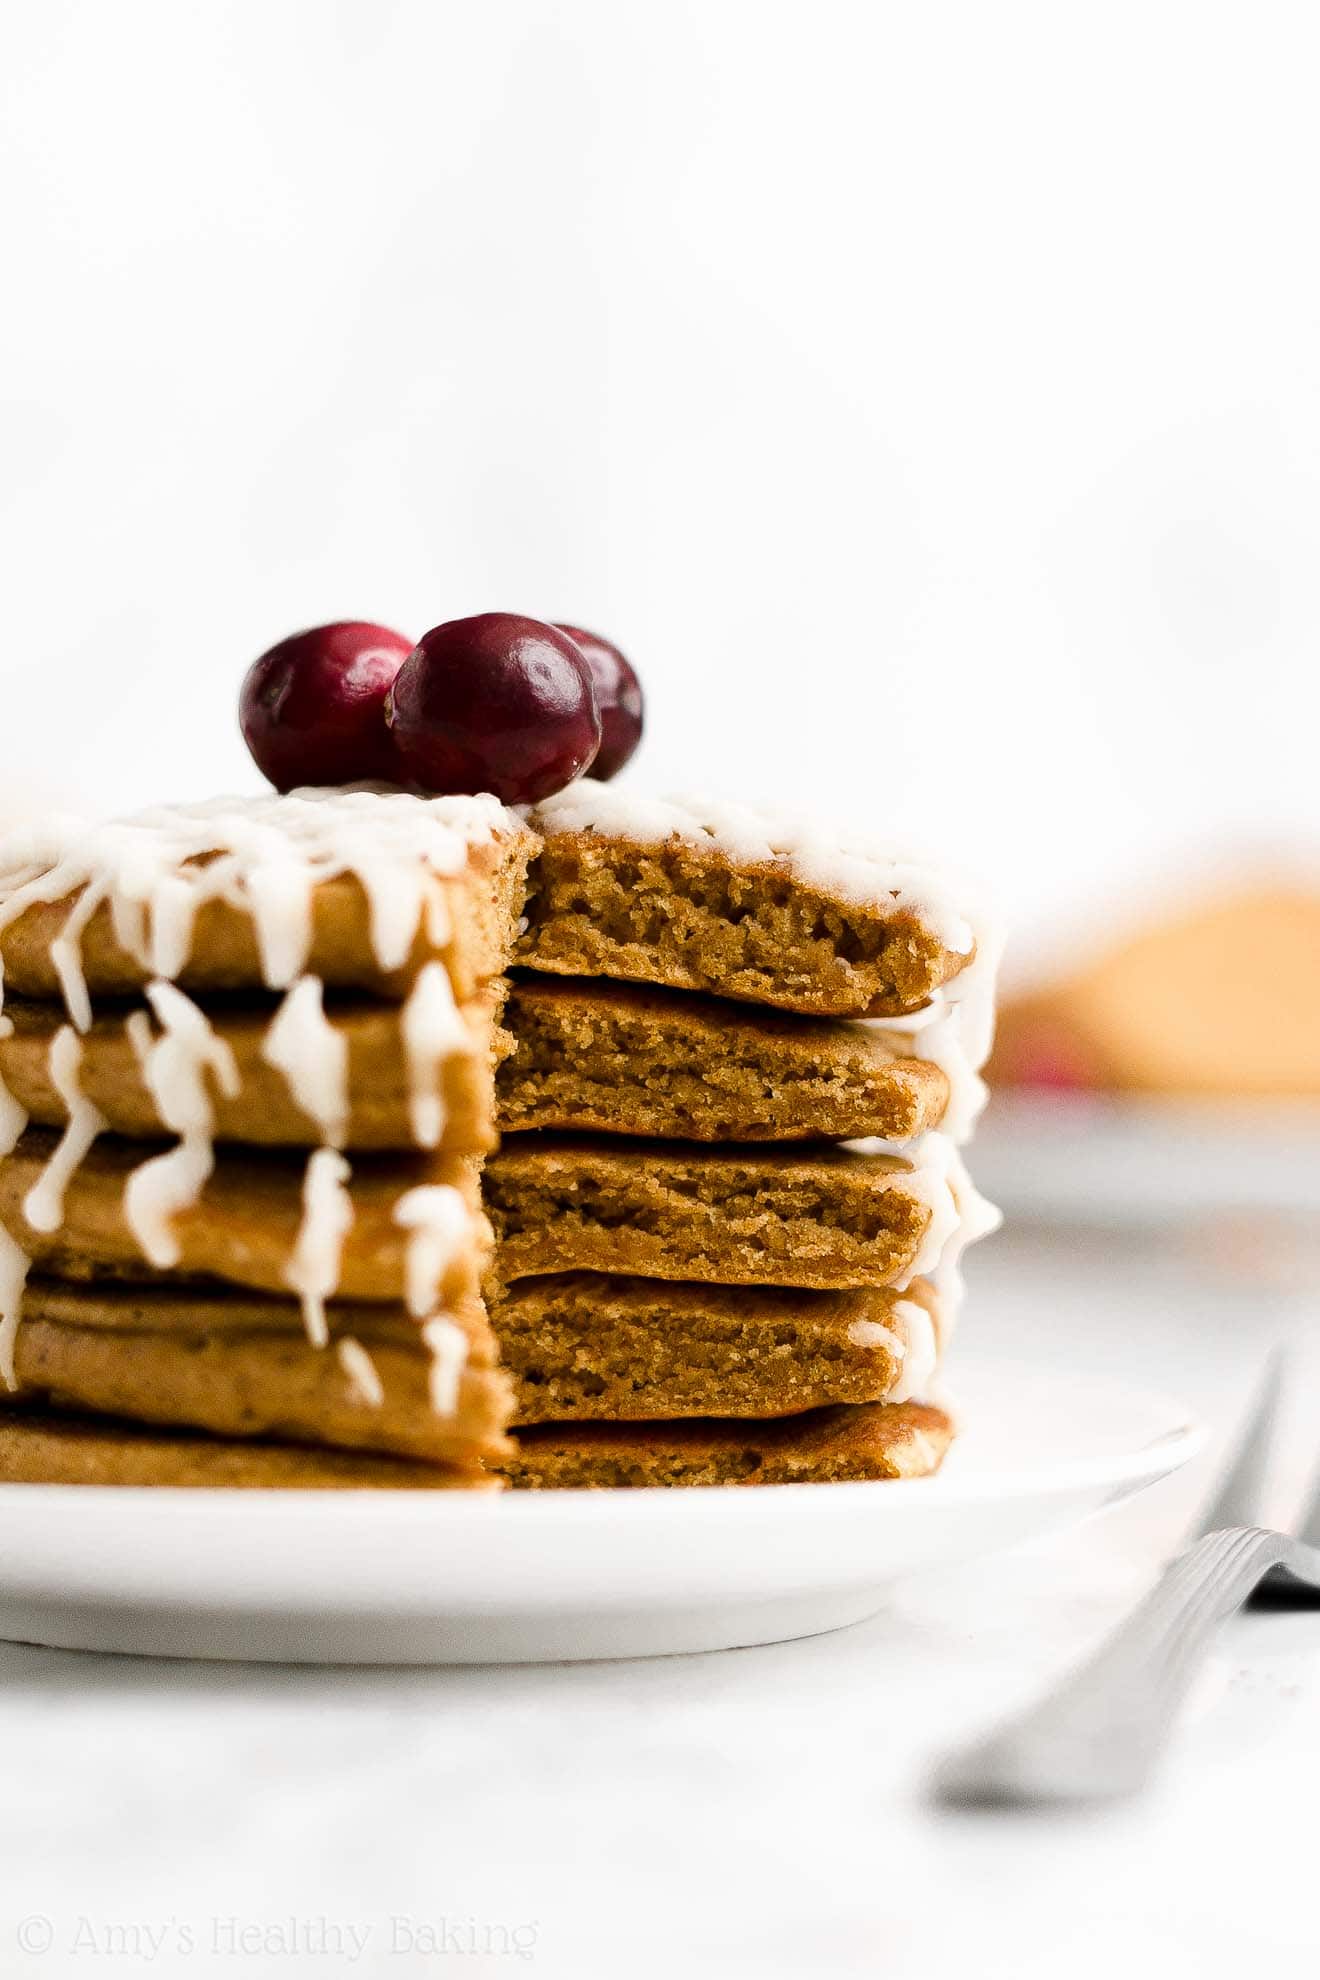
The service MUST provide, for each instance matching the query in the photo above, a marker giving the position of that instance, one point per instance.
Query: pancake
(359, 888)
(617, 1059)
(260, 1106)
(737, 903)
(244, 1223)
(206, 1360)
(800, 1216)
(42, 1448)
(867, 1441)
(587, 1347)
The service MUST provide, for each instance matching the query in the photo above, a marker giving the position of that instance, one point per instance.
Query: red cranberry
(312, 710)
(496, 703)
(1051, 1058)
(618, 697)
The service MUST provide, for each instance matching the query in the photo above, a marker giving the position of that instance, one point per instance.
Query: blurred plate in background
(1149, 1162)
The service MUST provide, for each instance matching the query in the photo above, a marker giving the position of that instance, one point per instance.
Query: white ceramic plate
(404, 1577)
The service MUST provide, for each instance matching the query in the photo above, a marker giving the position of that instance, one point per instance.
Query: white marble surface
(759, 1812)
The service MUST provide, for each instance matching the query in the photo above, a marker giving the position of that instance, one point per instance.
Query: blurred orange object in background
(1219, 1001)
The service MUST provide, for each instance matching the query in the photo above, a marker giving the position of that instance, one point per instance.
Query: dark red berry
(312, 710)
(618, 697)
(496, 703)
(1050, 1056)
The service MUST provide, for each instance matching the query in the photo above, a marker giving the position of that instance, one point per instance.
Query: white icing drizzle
(874, 1333)
(433, 1032)
(923, 1449)
(972, 993)
(935, 1035)
(66, 953)
(928, 1180)
(449, 1352)
(855, 867)
(264, 856)
(13, 1120)
(13, 1278)
(921, 1356)
(364, 1383)
(13, 1116)
(303, 1045)
(313, 1270)
(174, 1067)
(43, 1206)
(959, 1213)
(917, 1349)
(977, 1218)
(175, 1064)
(917, 1354)
(437, 1221)
(159, 1191)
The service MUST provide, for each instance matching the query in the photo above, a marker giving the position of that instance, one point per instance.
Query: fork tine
(1238, 1496)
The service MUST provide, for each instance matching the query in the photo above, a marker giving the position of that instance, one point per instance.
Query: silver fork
(1098, 1734)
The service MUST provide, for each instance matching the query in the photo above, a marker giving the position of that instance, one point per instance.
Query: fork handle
(1097, 1735)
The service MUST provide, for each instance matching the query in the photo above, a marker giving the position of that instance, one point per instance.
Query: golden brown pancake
(206, 1359)
(795, 1216)
(482, 906)
(263, 1111)
(692, 918)
(589, 1347)
(43, 1448)
(244, 1225)
(865, 1441)
(617, 1059)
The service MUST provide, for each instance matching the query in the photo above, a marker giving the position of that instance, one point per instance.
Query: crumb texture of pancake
(39, 1447)
(245, 1368)
(618, 1059)
(815, 1216)
(849, 1443)
(586, 1346)
(261, 1108)
(690, 918)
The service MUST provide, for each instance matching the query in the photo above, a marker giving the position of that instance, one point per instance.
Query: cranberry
(1051, 1058)
(496, 703)
(312, 710)
(618, 697)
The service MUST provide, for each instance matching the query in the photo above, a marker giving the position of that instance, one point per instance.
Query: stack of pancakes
(254, 1056)
(247, 1063)
(727, 1203)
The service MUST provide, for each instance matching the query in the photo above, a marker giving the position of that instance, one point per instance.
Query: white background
(924, 396)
